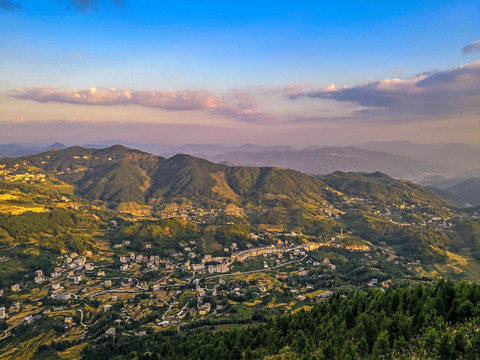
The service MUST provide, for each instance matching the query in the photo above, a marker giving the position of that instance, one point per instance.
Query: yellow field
(255, 302)
(134, 209)
(26, 349)
(8, 197)
(306, 308)
(457, 264)
(314, 294)
(18, 210)
(73, 353)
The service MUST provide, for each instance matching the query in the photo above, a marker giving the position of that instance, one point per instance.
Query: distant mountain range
(16, 150)
(191, 149)
(465, 193)
(330, 159)
(118, 176)
(462, 159)
(446, 168)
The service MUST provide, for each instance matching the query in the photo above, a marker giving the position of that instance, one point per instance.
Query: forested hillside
(433, 322)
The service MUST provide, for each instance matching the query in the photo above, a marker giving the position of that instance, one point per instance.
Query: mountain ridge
(329, 159)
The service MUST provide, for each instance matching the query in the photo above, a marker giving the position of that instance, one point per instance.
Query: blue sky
(244, 71)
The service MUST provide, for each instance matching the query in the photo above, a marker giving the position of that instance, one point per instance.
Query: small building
(108, 283)
(15, 288)
(223, 268)
(3, 313)
(55, 286)
(163, 323)
(107, 307)
(64, 296)
(197, 267)
(79, 261)
(28, 319)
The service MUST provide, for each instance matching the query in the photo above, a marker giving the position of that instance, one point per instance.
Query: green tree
(381, 348)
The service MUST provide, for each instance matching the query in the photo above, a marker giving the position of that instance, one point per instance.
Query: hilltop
(119, 177)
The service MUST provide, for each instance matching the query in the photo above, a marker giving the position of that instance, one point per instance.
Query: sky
(236, 72)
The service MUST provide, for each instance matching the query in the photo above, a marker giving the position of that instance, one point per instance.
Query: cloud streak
(455, 91)
(238, 105)
(9, 5)
(472, 47)
(91, 5)
(168, 100)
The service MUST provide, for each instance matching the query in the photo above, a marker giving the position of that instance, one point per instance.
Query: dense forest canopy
(427, 322)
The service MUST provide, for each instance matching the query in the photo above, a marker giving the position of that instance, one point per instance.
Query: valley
(98, 245)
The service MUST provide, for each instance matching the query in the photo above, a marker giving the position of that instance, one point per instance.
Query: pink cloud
(169, 100)
(242, 106)
(237, 105)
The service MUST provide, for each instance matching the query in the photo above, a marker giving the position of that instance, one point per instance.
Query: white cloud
(455, 91)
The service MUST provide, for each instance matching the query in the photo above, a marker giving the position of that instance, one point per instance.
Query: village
(184, 290)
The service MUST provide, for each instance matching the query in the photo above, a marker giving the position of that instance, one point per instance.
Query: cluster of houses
(152, 261)
(15, 174)
(73, 267)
